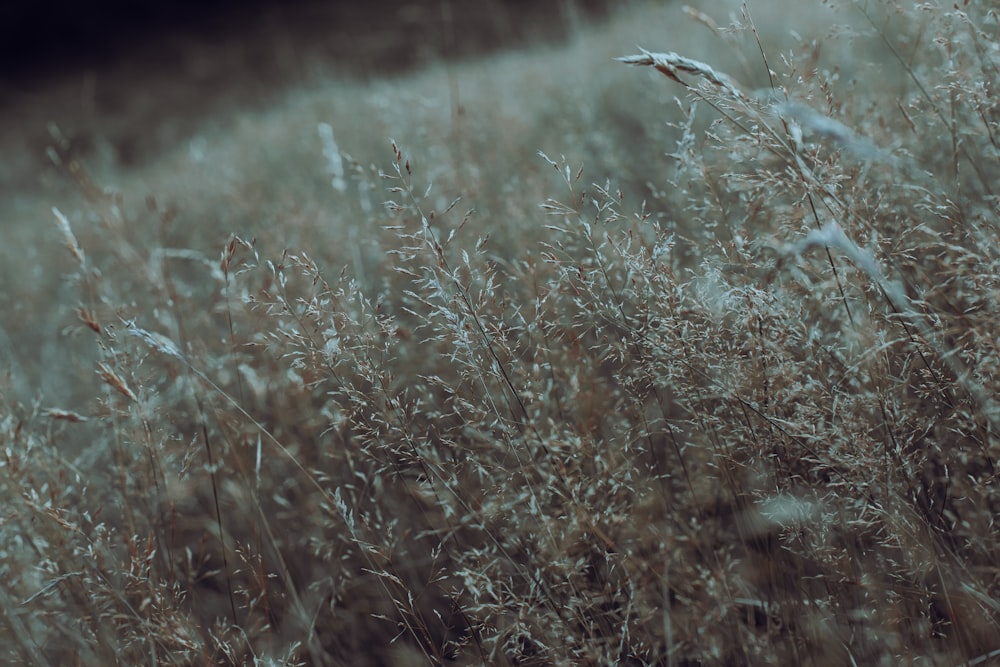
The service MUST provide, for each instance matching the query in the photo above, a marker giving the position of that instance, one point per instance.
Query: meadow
(672, 343)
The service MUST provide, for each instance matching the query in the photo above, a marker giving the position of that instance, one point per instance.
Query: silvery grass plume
(832, 235)
(69, 238)
(670, 64)
(800, 119)
(804, 120)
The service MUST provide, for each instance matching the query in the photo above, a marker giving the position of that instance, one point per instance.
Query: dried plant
(724, 395)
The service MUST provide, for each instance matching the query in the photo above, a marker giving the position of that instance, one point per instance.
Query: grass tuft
(715, 390)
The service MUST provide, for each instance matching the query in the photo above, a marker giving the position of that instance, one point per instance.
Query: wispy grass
(693, 368)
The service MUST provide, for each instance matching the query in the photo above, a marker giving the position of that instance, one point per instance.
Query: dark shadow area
(39, 39)
(135, 78)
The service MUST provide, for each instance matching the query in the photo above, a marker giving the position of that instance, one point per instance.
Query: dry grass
(551, 381)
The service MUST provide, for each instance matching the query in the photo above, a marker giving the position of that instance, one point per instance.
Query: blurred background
(142, 75)
(51, 36)
(121, 85)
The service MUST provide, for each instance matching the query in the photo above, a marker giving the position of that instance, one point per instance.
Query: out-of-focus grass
(589, 365)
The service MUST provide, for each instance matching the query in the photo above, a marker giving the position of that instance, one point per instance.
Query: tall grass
(715, 390)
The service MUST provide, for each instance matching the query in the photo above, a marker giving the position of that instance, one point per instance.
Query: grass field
(539, 358)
